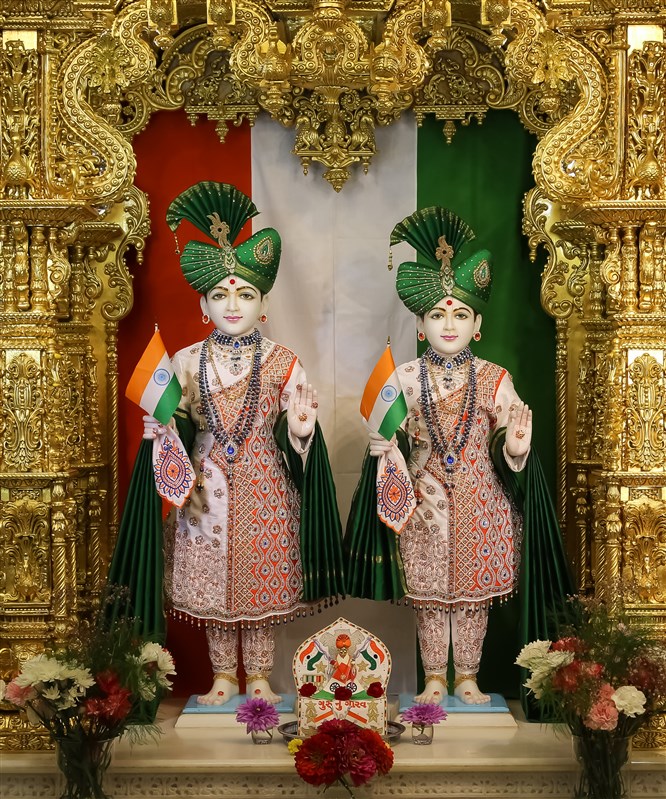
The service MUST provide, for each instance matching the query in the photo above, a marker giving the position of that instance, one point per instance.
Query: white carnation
(629, 700)
(531, 655)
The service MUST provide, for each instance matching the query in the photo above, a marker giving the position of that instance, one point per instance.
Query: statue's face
(234, 306)
(449, 326)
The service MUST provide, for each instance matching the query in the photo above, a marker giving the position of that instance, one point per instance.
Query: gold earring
(263, 318)
(205, 319)
(421, 336)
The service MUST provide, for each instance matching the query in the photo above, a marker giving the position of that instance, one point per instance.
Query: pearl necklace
(448, 449)
(232, 440)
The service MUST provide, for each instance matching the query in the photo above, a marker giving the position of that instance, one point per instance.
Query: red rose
(375, 690)
(307, 689)
(342, 693)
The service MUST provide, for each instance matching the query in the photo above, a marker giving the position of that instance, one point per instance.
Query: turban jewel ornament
(220, 210)
(453, 267)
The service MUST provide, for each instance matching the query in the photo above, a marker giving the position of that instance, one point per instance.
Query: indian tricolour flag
(383, 404)
(154, 385)
(384, 408)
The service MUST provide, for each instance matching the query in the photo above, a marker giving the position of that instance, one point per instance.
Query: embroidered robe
(461, 543)
(232, 552)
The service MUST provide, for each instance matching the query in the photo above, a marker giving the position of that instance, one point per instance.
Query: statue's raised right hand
(151, 427)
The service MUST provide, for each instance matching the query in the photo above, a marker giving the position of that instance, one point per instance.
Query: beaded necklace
(448, 448)
(232, 440)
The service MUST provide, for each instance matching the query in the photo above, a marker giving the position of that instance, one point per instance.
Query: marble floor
(527, 760)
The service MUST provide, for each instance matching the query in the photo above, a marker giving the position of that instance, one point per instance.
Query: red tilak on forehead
(232, 281)
(449, 302)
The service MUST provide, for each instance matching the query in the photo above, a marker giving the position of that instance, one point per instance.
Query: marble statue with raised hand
(460, 546)
(233, 551)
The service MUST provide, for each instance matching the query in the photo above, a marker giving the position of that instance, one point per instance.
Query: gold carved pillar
(63, 287)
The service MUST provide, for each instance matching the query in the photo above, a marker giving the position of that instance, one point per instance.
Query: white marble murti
(528, 760)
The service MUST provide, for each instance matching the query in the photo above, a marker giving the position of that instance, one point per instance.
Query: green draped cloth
(138, 558)
(376, 572)
(375, 568)
(320, 529)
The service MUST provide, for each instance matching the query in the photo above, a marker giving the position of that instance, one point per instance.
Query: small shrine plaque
(342, 672)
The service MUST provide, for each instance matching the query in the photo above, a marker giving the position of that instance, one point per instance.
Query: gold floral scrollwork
(646, 156)
(24, 541)
(18, 164)
(466, 79)
(564, 159)
(108, 77)
(644, 557)
(87, 157)
(646, 409)
(562, 282)
(611, 267)
(24, 411)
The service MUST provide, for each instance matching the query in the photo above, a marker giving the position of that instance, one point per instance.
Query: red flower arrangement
(603, 680)
(375, 690)
(307, 689)
(105, 684)
(341, 752)
(342, 693)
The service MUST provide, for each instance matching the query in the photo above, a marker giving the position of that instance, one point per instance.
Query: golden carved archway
(81, 77)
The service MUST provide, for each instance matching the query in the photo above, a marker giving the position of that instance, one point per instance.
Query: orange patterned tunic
(462, 543)
(232, 553)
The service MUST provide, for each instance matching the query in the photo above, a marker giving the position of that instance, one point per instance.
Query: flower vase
(604, 760)
(83, 762)
(262, 736)
(422, 734)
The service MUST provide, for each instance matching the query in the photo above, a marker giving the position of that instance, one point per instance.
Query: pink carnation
(606, 691)
(17, 695)
(602, 716)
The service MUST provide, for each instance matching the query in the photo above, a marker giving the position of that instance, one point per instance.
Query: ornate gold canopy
(79, 78)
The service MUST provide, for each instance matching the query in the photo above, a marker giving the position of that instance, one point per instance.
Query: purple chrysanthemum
(424, 714)
(258, 715)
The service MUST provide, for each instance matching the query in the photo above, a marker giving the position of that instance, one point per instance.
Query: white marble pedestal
(522, 762)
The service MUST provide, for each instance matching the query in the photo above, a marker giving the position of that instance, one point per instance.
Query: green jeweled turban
(220, 210)
(454, 267)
